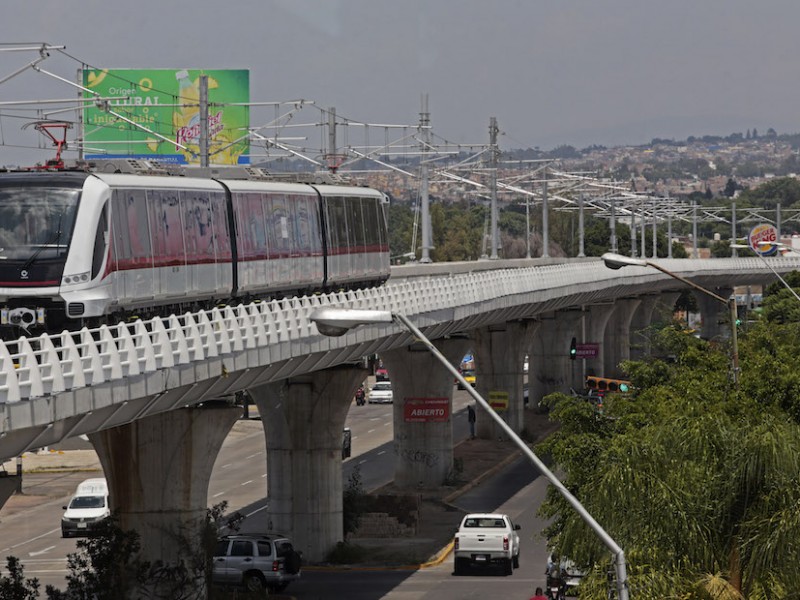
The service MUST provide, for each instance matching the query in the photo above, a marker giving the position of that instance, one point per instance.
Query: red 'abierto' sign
(426, 410)
(587, 350)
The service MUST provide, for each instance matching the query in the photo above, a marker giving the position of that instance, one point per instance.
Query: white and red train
(80, 248)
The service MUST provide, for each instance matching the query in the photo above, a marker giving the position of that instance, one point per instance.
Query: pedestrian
(471, 419)
(538, 595)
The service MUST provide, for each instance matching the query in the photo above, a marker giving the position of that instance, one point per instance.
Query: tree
(14, 586)
(695, 479)
(730, 188)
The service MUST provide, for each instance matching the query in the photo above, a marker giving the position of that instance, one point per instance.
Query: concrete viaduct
(154, 397)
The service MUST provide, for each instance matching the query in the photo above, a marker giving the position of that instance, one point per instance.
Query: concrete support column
(303, 419)
(549, 367)
(597, 316)
(499, 357)
(664, 311)
(639, 327)
(617, 341)
(423, 448)
(158, 469)
(712, 312)
(8, 485)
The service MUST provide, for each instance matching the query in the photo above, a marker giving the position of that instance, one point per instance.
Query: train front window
(36, 222)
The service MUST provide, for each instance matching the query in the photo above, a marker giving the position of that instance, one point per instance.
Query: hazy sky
(552, 71)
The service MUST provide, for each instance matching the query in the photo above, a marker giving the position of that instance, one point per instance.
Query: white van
(87, 508)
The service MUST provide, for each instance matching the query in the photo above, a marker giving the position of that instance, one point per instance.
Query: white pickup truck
(486, 539)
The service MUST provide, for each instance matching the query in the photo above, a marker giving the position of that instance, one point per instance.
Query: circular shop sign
(763, 239)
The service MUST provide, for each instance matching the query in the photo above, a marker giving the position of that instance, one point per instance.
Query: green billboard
(155, 114)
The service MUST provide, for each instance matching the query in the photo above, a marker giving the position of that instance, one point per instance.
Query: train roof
(136, 175)
(56, 178)
(157, 181)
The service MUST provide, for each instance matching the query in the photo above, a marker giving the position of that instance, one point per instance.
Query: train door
(169, 252)
(132, 250)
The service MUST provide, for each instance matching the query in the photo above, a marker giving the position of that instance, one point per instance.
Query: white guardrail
(49, 364)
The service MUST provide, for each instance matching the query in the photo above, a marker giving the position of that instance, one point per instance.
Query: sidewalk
(55, 461)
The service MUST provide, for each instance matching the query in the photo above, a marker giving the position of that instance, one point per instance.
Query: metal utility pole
(694, 229)
(613, 225)
(79, 141)
(203, 120)
(528, 226)
(634, 231)
(655, 230)
(734, 254)
(669, 233)
(644, 228)
(545, 218)
(778, 220)
(581, 253)
(332, 139)
(493, 130)
(424, 126)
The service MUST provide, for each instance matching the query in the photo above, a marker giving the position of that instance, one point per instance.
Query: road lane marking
(218, 495)
(38, 537)
(247, 482)
(41, 551)
(381, 452)
(254, 455)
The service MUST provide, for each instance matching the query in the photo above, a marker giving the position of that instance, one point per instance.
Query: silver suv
(255, 561)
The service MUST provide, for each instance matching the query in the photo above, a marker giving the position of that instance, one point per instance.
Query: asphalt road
(517, 492)
(239, 477)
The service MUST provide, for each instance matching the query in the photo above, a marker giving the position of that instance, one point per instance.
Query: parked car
(381, 393)
(256, 562)
(486, 539)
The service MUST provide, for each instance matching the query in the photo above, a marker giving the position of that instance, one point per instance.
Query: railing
(49, 364)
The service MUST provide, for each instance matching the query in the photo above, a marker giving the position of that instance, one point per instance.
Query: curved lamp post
(338, 321)
(617, 261)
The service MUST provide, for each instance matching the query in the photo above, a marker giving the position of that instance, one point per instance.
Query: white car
(485, 539)
(381, 393)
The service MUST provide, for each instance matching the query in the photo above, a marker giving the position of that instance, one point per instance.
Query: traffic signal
(604, 385)
(573, 349)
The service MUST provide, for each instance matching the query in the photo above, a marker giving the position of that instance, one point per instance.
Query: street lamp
(337, 321)
(617, 261)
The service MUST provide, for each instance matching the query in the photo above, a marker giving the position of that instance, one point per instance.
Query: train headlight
(77, 278)
(4, 316)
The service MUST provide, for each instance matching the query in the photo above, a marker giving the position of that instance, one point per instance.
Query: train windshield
(36, 221)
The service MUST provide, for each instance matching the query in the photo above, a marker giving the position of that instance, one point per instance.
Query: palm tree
(699, 485)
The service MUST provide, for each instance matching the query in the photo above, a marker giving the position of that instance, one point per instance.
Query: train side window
(196, 206)
(100, 242)
(221, 232)
(278, 225)
(303, 221)
(357, 226)
(250, 227)
(166, 226)
(338, 233)
(131, 228)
